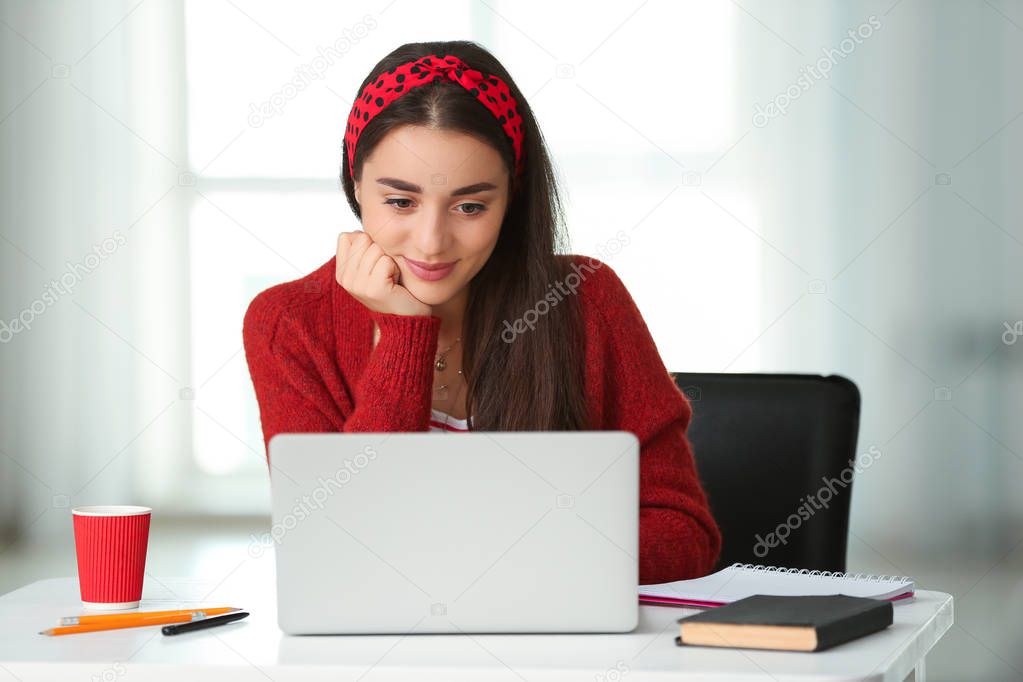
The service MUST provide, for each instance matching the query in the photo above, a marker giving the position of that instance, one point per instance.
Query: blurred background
(806, 187)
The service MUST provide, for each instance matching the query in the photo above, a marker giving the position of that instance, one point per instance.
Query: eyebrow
(416, 189)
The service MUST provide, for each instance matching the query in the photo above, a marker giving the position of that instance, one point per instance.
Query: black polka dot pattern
(490, 91)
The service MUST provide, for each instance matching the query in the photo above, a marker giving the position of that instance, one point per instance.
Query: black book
(799, 623)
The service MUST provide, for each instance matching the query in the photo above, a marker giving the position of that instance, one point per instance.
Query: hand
(372, 277)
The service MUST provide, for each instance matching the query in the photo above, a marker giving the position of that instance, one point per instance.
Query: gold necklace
(442, 362)
(444, 387)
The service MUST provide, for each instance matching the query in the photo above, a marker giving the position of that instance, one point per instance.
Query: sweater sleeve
(299, 387)
(678, 537)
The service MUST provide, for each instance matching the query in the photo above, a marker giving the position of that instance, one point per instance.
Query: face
(433, 196)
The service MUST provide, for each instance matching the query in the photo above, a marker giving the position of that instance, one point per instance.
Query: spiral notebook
(744, 580)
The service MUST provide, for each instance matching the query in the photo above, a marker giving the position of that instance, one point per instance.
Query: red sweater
(309, 348)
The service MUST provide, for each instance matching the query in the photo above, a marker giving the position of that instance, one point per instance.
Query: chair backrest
(776, 456)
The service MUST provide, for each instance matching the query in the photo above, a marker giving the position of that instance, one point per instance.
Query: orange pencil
(117, 617)
(126, 621)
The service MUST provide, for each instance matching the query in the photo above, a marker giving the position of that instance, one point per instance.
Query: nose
(431, 233)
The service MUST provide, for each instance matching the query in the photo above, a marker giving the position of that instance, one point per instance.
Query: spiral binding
(824, 574)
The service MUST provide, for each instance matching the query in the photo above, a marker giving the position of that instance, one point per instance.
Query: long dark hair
(535, 381)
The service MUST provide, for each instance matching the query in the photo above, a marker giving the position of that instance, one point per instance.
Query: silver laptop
(482, 532)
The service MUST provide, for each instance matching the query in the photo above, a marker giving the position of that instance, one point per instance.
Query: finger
(372, 254)
(386, 271)
(360, 242)
(345, 242)
(343, 247)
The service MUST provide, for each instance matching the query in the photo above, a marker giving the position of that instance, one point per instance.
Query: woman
(451, 309)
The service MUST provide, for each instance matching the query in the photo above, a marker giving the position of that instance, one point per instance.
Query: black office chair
(763, 443)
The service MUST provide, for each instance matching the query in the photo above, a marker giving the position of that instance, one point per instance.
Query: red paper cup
(111, 541)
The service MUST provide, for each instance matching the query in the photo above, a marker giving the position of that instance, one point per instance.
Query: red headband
(491, 91)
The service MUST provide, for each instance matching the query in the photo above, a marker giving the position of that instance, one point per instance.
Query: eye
(480, 208)
(391, 203)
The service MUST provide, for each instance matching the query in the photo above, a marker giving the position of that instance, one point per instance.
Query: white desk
(254, 649)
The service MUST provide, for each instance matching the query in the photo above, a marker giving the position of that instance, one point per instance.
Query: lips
(430, 272)
(431, 266)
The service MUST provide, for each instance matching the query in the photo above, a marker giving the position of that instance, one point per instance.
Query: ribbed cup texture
(111, 556)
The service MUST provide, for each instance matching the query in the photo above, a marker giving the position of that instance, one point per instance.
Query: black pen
(202, 623)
